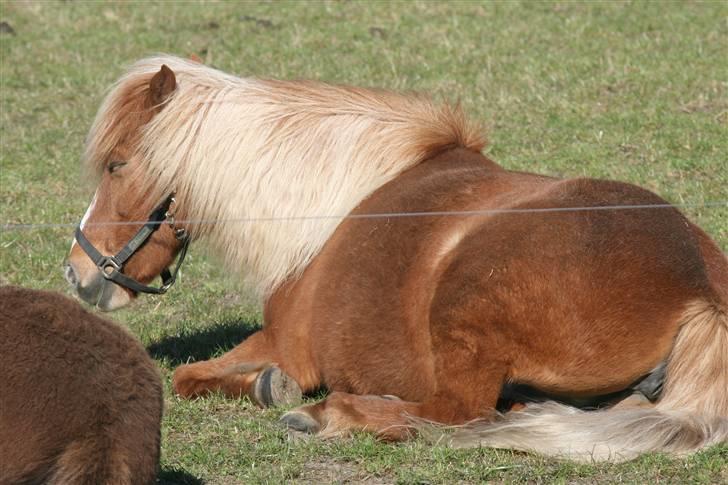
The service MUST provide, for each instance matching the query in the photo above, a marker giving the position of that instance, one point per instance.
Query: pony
(406, 272)
(81, 401)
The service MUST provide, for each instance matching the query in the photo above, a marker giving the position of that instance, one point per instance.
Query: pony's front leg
(341, 413)
(388, 417)
(251, 369)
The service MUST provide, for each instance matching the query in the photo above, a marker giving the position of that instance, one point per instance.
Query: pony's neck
(276, 162)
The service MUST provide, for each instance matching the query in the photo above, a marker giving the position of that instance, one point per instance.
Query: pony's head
(113, 238)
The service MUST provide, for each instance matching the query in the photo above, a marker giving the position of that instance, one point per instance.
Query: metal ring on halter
(108, 262)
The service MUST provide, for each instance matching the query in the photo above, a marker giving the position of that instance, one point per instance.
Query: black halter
(111, 266)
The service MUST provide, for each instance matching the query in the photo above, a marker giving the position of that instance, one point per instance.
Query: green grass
(629, 91)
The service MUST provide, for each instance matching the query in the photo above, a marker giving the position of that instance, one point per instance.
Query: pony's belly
(599, 377)
(587, 359)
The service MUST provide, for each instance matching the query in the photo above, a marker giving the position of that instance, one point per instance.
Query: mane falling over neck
(235, 148)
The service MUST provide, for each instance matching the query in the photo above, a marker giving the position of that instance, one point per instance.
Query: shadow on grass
(176, 476)
(203, 343)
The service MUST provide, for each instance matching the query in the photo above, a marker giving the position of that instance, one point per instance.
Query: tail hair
(697, 371)
(691, 414)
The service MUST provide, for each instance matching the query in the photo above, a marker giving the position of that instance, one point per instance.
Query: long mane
(240, 148)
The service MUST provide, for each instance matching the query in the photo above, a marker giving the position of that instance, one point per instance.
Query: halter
(111, 266)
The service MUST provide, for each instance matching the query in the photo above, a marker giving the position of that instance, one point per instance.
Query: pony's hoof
(273, 387)
(299, 421)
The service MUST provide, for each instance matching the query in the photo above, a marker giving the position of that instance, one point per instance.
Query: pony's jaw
(96, 290)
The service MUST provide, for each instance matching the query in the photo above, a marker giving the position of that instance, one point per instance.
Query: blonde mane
(236, 148)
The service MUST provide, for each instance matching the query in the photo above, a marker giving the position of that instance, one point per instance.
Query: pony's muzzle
(89, 287)
(94, 289)
(70, 274)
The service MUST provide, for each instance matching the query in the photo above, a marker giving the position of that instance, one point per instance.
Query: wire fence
(382, 215)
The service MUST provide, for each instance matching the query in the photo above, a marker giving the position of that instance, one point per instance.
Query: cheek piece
(111, 266)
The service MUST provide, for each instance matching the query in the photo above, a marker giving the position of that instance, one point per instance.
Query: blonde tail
(691, 414)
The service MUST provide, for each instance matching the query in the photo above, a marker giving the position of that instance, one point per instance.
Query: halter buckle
(179, 233)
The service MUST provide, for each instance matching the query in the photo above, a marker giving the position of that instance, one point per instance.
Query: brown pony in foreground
(446, 311)
(81, 401)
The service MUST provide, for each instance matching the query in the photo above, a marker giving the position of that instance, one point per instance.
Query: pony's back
(81, 401)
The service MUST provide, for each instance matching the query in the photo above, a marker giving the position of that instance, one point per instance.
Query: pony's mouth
(97, 290)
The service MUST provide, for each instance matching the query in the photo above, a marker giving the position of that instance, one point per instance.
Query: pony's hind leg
(253, 369)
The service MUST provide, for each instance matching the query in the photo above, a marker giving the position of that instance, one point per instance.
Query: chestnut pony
(447, 310)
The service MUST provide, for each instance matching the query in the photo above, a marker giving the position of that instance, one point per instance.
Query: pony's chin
(104, 295)
(113, 298)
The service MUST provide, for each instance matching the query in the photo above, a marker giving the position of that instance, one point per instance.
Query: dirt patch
(332, 471)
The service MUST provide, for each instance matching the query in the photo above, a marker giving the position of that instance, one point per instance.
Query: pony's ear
(161, 85)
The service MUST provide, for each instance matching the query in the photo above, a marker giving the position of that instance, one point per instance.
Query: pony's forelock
(236, 149)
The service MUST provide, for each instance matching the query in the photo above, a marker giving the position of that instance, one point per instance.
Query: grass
(629, 91)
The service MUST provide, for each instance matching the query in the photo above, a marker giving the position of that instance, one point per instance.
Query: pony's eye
(114, 166)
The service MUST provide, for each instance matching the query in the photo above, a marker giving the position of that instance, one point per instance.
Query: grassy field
(629, 91)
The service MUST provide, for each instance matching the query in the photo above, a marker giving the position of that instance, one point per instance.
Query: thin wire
(383, 215)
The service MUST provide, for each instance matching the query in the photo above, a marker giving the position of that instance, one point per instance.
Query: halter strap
(111, 266)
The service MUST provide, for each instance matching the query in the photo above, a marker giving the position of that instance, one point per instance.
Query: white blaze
(86, 215)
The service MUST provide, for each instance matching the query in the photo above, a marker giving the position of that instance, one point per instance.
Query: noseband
(111, 266)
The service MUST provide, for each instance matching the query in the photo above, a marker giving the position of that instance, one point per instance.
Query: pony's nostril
(70, 274)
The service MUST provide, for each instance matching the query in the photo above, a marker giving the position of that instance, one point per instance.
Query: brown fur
(443, 311)
(489, 279)
(81, 401)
